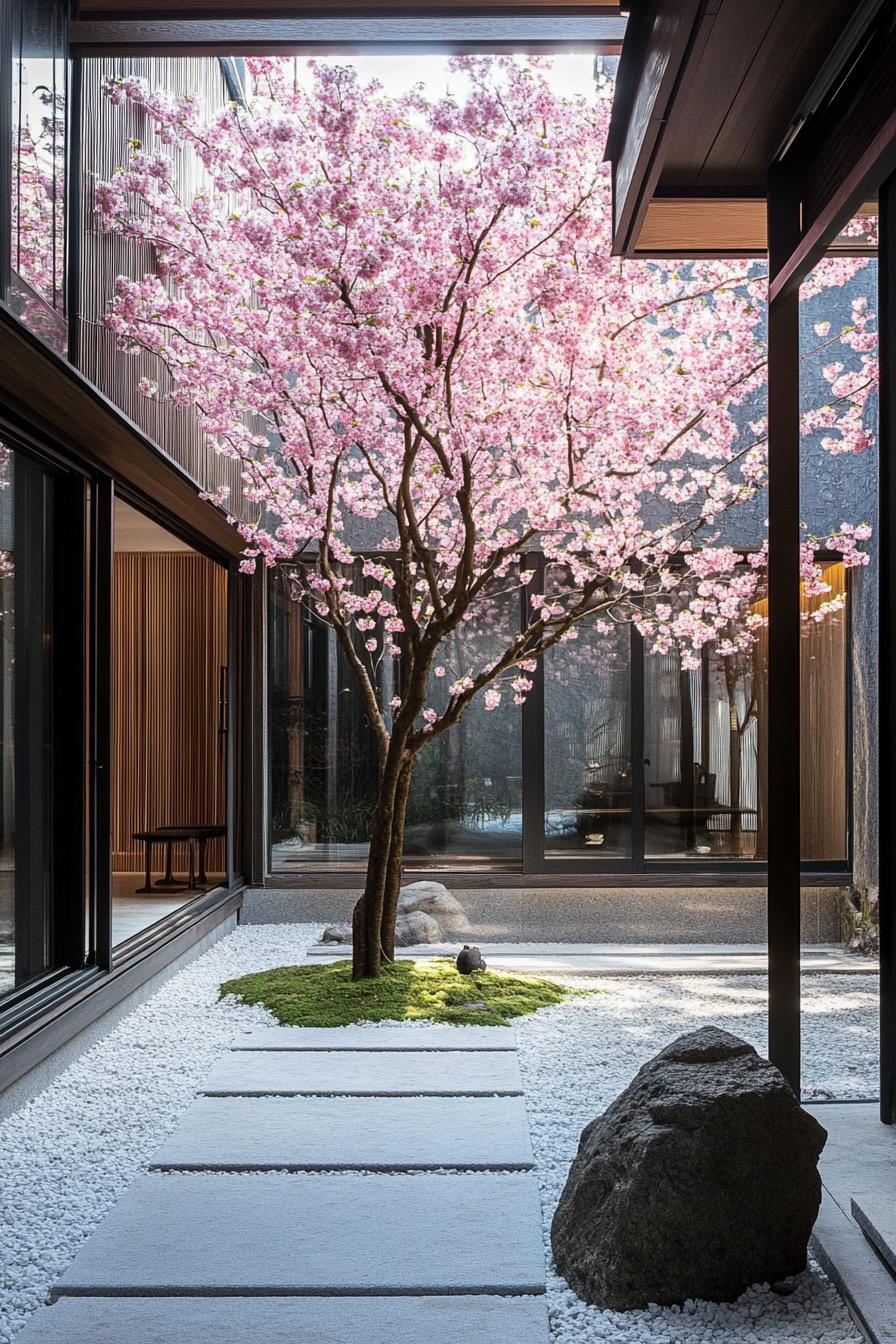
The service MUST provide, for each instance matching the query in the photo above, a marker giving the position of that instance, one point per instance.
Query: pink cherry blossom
(401, 316)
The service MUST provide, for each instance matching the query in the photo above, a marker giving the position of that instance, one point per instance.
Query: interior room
(169, 667)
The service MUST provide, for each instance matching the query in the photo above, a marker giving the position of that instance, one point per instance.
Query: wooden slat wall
(104, 147)
(170, 640)
(823, 729)
(823, 718)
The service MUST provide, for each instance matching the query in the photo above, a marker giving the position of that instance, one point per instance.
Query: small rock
(469, 959)
(337, 933)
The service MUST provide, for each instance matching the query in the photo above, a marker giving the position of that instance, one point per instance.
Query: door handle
(223, 701)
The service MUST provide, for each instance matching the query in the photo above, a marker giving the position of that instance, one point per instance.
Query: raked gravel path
(68, 1154)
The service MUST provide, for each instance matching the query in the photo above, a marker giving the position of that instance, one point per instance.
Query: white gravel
(68, 1154)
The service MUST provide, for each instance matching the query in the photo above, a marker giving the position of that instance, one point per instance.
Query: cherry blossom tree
(402, 313)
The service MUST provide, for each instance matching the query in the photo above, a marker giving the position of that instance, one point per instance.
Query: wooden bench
(174, 835)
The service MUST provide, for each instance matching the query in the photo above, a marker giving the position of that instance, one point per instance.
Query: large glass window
(644, 762)
(588, 772)
(323, 752)
(37, 187)
(702, 740)
(466, 800)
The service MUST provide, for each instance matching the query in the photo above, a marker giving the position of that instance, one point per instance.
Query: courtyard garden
(71, 1151)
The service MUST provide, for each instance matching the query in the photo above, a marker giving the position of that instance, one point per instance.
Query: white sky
(571, 73)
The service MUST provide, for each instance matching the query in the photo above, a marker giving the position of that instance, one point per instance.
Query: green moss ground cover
(326, 995)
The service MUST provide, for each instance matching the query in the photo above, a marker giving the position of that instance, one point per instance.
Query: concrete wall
(581, 914)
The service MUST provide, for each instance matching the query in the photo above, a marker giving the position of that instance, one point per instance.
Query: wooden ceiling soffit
(705, 226)
(232, 36)
(702, 227)
(44, 392)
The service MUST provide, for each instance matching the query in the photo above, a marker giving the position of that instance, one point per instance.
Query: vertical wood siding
(106, 130)
(170, 641)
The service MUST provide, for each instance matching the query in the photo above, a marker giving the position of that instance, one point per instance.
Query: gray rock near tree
(410, 929)
(427, 913)
(415, 926)
(433, 898)
(698, 1181)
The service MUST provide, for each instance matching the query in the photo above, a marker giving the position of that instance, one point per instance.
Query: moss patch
(326, 996)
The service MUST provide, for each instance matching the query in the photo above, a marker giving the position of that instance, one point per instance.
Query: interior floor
(132, 912)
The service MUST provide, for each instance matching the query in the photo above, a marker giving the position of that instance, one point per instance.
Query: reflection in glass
(466, 794)
(705, 746)
(37, 187)
(465, 800)
(587, 745)
(26, 932)
(701, 748)
(323, 750)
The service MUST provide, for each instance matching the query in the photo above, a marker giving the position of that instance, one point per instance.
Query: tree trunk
(392, 886)
(367, 916)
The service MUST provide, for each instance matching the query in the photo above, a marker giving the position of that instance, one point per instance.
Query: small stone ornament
(469, 959)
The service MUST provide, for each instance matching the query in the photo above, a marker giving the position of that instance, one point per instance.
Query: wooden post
(783, 724)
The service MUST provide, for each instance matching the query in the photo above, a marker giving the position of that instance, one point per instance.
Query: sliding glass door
(42, 759)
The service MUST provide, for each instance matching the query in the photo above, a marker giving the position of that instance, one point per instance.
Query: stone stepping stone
(377, 1038)
(402, 1073)
(327, 1235)
(372, 1133)
(876, 1216)
(287, 1320)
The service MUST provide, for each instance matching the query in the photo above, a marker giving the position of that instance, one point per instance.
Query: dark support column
(886, 540)
(103, 560)
(784, 638)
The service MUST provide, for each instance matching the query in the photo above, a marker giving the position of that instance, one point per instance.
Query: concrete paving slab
(286, 1320)
(377, 1038)
(876, 1216)
(371, 1133)
(859, 1158)
(324, 1235)
(859, 1274)
(365, 1073)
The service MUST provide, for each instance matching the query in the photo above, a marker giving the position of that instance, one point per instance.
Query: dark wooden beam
(40, 390)
(657, 44)
(840, 159)
(886, 549)
(783, 723)
(291, 36)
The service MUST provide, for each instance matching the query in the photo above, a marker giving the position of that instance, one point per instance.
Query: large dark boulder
(699, 1180)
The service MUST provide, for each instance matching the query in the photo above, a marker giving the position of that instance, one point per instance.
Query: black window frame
(59, 916)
